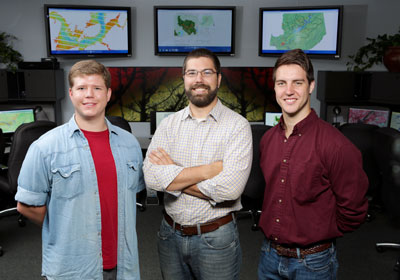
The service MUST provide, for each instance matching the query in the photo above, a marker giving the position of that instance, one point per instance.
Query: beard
(201, 100)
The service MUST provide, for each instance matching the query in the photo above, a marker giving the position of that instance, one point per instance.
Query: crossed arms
(187, 179)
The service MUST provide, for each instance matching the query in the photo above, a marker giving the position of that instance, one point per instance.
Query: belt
(204, 228)
(291, 252)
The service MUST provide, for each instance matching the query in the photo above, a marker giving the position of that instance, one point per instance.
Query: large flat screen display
(91, 31)
(181, 29)
(10, 120)
(315, 30)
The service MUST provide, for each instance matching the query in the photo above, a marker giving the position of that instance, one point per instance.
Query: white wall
(362, 18)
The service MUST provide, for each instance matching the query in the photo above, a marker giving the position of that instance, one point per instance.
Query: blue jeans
(212, 255)
(318, 266)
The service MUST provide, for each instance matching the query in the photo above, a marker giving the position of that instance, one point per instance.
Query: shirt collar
(73, 127)
(303, 125)
(215, 112)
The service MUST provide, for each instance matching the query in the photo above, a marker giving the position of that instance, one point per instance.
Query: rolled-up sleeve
(33, 180)
(230, 183)
(159, 177)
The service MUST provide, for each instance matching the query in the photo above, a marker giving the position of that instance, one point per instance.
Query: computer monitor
(10, 120)
(82, 31)
(181, 29)
(317, 30)
(272, 118)
(155, 119)
(369, 116)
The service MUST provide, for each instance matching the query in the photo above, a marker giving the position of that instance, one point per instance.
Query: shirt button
(280, 200)
(285, 140)
(284, 160)
(276, 238)
(277, 220)
(282, 180)
(299, 134)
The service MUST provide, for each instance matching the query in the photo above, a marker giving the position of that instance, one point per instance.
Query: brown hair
(89, 67)
(296, 56)
(202, 53)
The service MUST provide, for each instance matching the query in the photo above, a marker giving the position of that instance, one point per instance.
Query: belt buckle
(286, 252)
(183, 227)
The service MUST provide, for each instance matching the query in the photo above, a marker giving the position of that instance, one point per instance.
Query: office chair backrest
(385, 138)
(255, 185)
(120, 121)
(23, 137)
(2, 145)
(362, 136)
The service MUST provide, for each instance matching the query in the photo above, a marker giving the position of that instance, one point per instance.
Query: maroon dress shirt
(315, 184)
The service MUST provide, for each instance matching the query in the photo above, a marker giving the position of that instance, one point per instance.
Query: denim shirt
(59, 172)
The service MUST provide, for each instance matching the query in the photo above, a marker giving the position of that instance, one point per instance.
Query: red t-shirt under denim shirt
(107, 182)
(315, 183)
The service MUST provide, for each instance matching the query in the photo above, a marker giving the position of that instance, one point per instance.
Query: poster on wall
(137, 91)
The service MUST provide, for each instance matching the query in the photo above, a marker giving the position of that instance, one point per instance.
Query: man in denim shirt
(79, 182)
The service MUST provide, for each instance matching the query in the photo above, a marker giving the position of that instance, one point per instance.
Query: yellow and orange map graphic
(78, 37)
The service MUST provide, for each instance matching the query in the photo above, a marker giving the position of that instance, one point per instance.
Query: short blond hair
(89, 67)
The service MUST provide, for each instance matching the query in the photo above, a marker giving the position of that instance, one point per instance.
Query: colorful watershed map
(94, 30)
(186, 25)
(301, 30)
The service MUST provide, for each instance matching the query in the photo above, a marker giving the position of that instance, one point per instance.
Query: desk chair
(388, 160)
(253, 194)
(362, 135)
(124, 124)
(22, 139)
(120, 122)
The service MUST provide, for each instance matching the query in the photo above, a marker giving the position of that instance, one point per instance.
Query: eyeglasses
(206, 73)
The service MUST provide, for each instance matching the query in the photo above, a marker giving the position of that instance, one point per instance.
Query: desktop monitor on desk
(272, 118)
(10, 120)
(155, 119)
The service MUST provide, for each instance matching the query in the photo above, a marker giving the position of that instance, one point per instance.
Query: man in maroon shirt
(315, 185)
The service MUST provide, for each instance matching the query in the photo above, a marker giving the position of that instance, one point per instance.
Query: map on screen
(12, 119)
(312, 30)
(183, 30)
(300, 30)
(88, 30)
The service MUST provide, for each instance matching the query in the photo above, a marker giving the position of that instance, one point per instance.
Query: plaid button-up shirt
(223, 136)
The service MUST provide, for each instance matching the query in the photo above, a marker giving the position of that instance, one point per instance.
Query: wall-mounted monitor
(88, 31)
(181, 29)
(155, 119)
(272, 118)
(10, 120)
(315, 30)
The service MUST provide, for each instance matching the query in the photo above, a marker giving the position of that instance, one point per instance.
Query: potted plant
(382, 49)
(8, 55)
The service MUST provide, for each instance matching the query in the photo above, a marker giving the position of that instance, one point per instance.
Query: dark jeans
(212, 255)
(318, 266)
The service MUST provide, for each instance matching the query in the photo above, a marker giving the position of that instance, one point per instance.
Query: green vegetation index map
(301, 31)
